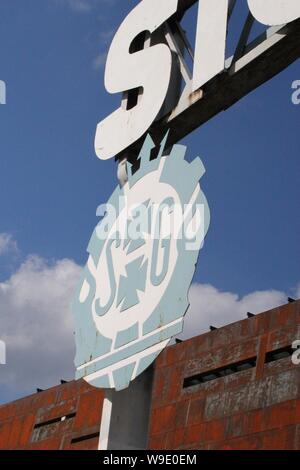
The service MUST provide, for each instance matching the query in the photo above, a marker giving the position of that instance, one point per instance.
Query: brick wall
(254, 408)
(64, 417)
(233, 388)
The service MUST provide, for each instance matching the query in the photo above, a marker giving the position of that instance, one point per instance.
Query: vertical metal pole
(105, 423)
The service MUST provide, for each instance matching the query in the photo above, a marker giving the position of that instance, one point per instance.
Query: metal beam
(264, 58)
(243, 41)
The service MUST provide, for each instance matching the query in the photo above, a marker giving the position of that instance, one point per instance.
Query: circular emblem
(133, 293)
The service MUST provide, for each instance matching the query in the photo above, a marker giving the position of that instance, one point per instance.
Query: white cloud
(7, 244)
(105, 39)
(83, 5)
(99, 61)
(104, 36)
(80, 5)
(209, 306)
(36, 324)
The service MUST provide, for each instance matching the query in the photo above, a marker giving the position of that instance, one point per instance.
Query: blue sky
(52, 55)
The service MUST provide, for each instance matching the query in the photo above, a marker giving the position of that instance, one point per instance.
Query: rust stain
(244, 410)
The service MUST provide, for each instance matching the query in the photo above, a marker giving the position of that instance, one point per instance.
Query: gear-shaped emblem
(133, 294)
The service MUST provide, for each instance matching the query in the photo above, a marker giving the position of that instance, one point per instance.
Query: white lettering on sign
(149, 69)
(210, 41)
(275, 12)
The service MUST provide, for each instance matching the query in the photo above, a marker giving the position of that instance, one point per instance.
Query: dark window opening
(219, 373)
(85, 438)
(55, 420)
(278, 354)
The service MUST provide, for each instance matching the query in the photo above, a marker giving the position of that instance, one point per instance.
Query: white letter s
(149, 68)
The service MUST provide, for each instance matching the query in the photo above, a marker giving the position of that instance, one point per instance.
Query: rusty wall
(232, 388)
(63, 417)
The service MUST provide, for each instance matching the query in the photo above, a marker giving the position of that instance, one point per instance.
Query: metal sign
(149, 50)
(133, 294)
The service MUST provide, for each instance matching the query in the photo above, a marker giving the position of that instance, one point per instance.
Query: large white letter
(210, 41)
(149, 68)
(275, 12)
